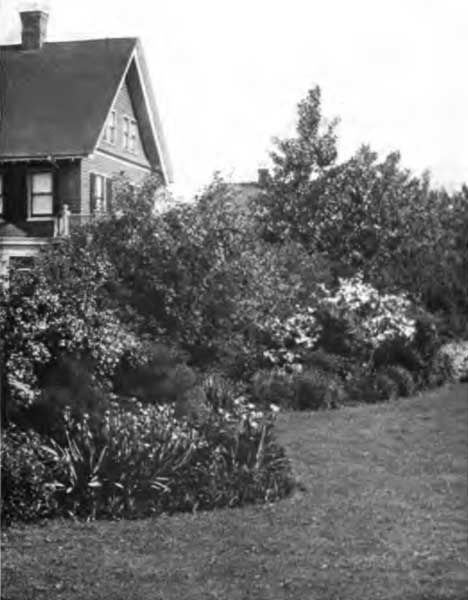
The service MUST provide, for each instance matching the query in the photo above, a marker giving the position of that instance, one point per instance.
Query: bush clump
(141, 460)
(28, 477)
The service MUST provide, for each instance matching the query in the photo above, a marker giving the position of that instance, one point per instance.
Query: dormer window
(109, 134)
(41, 194)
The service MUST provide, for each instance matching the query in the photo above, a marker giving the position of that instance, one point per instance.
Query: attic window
(126, 133)
(41, 194)
(133, 136)
(111, 127)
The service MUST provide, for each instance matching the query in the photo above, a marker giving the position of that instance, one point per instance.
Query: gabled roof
(55, 101)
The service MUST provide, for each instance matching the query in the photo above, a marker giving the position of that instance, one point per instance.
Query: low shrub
(315, 389)
(403, 379)
(143, 461)
(67, 383)
(440, 370)
(28, 477)
(273, 387)
(386, 388)
(154, 374)
(329, 362)
(360, 388)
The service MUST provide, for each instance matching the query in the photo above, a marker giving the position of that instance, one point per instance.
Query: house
(73, 115)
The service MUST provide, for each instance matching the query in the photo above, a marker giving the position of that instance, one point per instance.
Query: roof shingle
(54, 100)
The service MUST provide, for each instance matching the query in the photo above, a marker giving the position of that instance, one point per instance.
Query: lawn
(382, 514)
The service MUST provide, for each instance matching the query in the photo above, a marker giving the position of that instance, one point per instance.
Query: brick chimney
(34, 29)
(263, 177)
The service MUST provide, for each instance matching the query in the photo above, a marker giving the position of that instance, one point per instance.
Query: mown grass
(383, 515)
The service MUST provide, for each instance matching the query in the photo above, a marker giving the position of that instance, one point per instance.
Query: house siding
(110, 167)
(123, 107)
(68, 186)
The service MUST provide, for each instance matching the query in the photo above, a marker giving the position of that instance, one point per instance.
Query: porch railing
(66, 221)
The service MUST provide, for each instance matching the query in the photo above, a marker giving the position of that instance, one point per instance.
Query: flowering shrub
(43, 320)
(373, 318)
(289, 338)
(365, 321)
(455, 355)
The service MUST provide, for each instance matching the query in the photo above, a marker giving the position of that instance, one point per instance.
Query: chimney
(34, 29)
(263, 177)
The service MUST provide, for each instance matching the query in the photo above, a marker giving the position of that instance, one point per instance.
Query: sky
(228, 74)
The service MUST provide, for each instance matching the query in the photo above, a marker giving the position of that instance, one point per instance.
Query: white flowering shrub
(291, 337)
(455, 355)
(373, 318)
(369, 319)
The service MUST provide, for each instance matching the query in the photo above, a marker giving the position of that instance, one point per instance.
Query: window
(98, 193)
(126, 133)
(109, 135)
(1, 196)
(42, 198)
(133, 136)
(21, 263)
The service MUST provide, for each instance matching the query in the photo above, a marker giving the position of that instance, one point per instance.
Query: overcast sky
(229, 73)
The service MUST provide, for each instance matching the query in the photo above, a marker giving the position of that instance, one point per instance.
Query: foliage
(141, 460)
(316, 389)
(455, 355)
(403, 378)
(28, 477)
(273, 387)
(290, 338)
(369, 215)
(60, 310)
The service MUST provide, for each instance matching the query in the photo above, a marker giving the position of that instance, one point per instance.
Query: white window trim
(29, 175)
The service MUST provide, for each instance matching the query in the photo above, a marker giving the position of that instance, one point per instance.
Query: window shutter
(5, 193)
(56, 200)
(109, 195)
(92, 192)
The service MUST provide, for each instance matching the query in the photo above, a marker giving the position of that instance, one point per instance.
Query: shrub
(29, 476)
(142, 461)
(290, 338)
(456, 358)
(360, 388)
(67, 383)
(386, 388)
(154, 374)
(329, 362)
(273, 387)
(315, 389)
(403, 379)
(440, 370)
